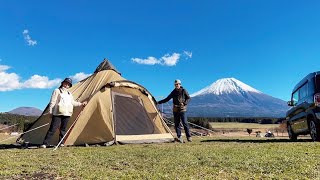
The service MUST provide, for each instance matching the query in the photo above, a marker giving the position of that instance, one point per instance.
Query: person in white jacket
(61, 109)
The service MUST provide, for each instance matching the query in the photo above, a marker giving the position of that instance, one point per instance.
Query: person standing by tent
(60, 109)
(180, 98)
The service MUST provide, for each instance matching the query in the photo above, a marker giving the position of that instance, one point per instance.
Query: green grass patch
(205, 158)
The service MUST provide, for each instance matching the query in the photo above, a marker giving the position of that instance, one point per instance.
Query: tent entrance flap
(130, 115)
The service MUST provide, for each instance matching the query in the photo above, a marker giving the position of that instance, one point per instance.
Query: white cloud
(170, 60)
(166, 60)
(188, 54)
(149, 61)
(28, 39)
(40, 82)
(4, 68)
(11, 81)
(79, 76)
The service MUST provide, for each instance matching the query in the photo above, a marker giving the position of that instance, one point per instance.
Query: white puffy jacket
(62, 103)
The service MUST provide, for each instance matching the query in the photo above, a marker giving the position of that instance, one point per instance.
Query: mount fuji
(230, 97)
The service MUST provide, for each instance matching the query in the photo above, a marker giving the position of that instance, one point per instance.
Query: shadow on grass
(256, 140)
(37, 146)
(10, 146)
(22, 146)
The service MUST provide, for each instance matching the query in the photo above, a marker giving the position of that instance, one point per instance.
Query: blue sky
(269, 45)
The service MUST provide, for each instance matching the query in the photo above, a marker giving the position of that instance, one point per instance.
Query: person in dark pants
(57, 121)
(60, 110)
(181, 99)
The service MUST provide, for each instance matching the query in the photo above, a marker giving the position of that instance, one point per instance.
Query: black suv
(304, 115)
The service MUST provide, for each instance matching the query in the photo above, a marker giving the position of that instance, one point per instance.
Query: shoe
(189, 139)
(180, 140)
(43, 146)
(61, 145)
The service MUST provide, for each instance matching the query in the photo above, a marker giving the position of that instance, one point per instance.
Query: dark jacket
(179, 96)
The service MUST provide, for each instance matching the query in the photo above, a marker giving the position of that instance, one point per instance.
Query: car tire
(314, 130)
(292, 135)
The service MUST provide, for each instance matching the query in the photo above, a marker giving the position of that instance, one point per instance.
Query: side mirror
(290, 103)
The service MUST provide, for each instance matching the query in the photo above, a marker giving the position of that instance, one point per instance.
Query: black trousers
(181, 117)
(57, 121)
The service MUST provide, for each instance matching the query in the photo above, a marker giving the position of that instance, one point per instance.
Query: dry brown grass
(6, 138)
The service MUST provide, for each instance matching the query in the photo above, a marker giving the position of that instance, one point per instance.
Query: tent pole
(8, 127)
(201, 127)
(74, 121)
(69, 129)
(196, 124)
(25, 132)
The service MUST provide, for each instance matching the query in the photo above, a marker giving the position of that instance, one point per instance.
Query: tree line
(260, 120)
(205, 121)
(12, 119)
(24, 121)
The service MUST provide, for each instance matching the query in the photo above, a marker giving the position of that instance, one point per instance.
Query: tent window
(131, 117)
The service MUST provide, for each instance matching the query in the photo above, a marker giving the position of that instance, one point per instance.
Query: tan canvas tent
(118, 110)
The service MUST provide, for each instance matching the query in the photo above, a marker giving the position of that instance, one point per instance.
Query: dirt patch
(37, 175)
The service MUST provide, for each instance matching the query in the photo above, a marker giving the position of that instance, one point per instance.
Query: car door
(298, 113)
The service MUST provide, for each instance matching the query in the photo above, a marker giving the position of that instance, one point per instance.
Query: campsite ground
(214, 157)
(235, 129)
(236, 125)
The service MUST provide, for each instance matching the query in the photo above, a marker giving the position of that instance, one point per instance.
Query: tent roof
(106, 65)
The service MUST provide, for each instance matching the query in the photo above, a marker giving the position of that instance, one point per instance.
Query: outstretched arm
(77, 103)
(166, 99)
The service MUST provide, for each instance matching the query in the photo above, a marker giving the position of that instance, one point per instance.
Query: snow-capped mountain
(231, 97)
(226, 86)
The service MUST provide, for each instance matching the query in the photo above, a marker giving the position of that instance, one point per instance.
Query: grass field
(232, 125)
(204, 158)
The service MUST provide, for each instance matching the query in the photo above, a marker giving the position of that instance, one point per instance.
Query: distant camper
(181, 99)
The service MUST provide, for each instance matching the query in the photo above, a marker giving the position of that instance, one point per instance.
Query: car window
(303, 91)
(295, 97)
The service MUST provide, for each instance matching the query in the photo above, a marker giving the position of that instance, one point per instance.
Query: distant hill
(26, 111)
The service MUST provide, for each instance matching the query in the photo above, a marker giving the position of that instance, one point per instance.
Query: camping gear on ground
(269, 134)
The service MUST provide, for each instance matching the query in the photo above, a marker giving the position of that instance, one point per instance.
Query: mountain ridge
(229, 97)
(26, 111)
(226, 85)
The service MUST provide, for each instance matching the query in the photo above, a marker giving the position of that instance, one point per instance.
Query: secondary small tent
(118, 110)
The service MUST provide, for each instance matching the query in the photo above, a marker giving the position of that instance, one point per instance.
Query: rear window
(303, 91)
(317, 83)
